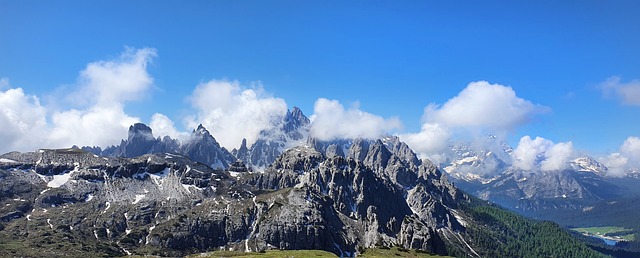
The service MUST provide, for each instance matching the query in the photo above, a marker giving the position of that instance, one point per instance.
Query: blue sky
(388, 58)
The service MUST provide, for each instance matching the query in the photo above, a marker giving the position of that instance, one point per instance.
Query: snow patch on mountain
(59, 180)
(588, 164)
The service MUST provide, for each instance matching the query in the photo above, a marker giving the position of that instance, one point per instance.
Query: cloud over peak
(232, 112)
(542, 154)
(332, 121)
(479, 107)
(432, 142)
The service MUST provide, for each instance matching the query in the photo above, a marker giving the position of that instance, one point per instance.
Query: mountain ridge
(166, 204)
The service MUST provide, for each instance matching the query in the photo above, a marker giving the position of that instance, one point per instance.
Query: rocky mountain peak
(588, 164)
(241, 153)
(139, 141)
(243, 146)
(203, 147)
(201, 130)
(139, 129)
(202, 135)
(294, 120)
(401, 149)
(297, 116)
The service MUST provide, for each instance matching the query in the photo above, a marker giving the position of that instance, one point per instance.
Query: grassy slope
(395, 252)
(370, 253)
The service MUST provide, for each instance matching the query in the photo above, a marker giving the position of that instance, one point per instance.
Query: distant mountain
(478, 163)
(588, 164)
(561, 196)
(74, 203)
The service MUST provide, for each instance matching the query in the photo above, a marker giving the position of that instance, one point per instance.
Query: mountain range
(286, 190)
(490, 175)
(583, 194)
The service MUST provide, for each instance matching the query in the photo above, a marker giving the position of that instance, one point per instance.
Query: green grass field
(267, 254)
(395, 252)
(606, 231)
(370, 253)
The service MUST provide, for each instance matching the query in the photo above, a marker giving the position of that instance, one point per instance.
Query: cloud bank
(106, 86)
(232, 112)
(479, 107)
(628, 93)
(103, 88)
(332, 121)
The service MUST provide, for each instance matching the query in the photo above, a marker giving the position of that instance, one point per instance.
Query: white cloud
(106, 86)
(631, 147)
(103, 89)
(485, 106)
(231, 112)
(617, 164)
(557, 157)
(97, 126)
(332, 121)
(22, 119)
(125, 79)
(162, 126)
(431, 142)
(628, 93)
(478, 109)
(542, 154)
(627, 158)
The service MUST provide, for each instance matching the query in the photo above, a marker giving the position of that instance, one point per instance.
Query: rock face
(170, 205)
(141, 141)
(202, 147)
(374, 198)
